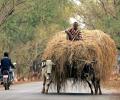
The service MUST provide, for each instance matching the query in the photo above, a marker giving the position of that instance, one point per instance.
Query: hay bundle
(95, 45)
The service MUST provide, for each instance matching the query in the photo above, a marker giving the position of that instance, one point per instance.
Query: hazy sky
(72, 20)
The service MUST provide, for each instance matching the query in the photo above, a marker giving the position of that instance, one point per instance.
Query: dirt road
(32, 91)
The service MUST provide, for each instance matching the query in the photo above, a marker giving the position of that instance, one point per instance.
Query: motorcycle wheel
(6, 86)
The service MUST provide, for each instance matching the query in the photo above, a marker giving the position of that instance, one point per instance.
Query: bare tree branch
(8, 8)
(107, 12)
(103, 5)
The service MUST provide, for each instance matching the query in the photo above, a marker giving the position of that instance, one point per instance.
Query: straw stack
(95, 45)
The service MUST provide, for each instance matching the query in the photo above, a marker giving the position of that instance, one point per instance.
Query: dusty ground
(32, 91)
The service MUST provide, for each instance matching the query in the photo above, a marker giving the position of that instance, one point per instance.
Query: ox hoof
(43, 91)
(92, 93)
(46, 92)
(100, 93)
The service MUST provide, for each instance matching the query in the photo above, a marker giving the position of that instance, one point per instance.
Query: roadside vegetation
(27, 25)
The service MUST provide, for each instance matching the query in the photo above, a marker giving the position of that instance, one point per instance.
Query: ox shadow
(83, 94)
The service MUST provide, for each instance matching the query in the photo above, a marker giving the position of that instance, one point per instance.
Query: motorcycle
(6, 80)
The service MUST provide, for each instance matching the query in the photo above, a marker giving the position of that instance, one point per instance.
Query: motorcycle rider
(6, 63)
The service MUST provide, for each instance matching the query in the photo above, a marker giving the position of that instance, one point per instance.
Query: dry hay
(95, 45)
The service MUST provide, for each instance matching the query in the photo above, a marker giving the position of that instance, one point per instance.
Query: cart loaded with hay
(70, 57)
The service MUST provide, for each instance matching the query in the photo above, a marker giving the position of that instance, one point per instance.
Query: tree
(101, 14)
(25, 32)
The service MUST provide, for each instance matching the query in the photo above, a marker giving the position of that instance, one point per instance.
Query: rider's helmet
(6, 54)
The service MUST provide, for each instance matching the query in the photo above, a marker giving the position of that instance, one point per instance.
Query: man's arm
(69, 34)
(67, 31)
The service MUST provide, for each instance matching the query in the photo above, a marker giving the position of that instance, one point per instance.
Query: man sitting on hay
(74, 33)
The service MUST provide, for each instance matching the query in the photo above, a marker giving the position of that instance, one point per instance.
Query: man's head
(6, 54)
(75, 25)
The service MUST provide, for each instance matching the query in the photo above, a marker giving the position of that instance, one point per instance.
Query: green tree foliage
(21, 25)
(29, 24)
(101, 14)
(27, 29)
